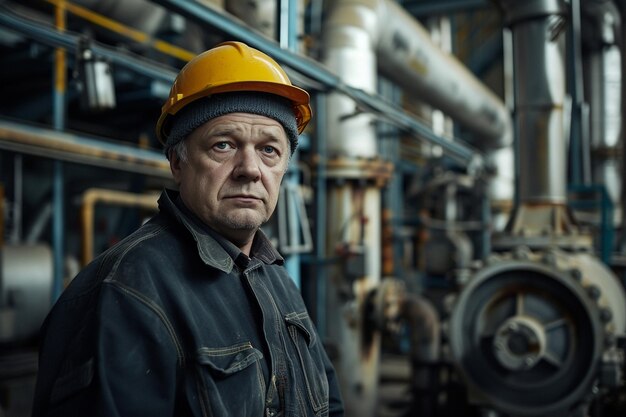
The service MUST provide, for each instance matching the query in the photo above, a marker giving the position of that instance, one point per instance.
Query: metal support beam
(430, 8)
(48, 35)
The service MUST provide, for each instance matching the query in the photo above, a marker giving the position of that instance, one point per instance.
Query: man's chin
(243, 221)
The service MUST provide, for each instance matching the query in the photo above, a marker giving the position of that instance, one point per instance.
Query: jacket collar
(216, 251)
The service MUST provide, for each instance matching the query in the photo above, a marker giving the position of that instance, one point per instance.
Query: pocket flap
(72, 381)
(225, 361)
(303, 323)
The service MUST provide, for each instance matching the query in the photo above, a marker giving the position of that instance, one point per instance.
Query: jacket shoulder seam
(124, 249)
(158, 311)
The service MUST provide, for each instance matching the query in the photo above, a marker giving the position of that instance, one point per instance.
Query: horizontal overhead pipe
(48, 143)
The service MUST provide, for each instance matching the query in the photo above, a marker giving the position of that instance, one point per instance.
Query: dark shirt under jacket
(174, 322)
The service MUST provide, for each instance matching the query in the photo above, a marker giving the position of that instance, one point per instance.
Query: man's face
(231, 181)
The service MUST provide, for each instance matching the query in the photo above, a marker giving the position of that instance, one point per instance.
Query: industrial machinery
(539, 327)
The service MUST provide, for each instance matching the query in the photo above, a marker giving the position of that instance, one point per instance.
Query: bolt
(594, 292)
(576, 274)
(606, 315)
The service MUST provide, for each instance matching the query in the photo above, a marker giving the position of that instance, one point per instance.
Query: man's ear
(175, 165)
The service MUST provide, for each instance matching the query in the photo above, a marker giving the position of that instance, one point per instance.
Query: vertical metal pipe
(579, 128)
(353, 211)
(287, 39)
(2, 209)
(390, 150)
(18, 206)
(537, 30)
(320, 216)
(603, 92)
(621, 4)
(58, 226)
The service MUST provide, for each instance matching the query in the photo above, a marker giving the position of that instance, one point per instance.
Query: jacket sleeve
(137, 356)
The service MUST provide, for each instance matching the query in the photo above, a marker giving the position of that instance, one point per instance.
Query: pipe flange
(516, 11)
(373, 170)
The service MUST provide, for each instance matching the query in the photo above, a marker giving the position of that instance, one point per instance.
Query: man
(194, 314)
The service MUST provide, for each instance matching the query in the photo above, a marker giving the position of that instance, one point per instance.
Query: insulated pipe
(603, 80)
(259, 14)
(33, 140)
(360, 38)
(621, 4)
(539, 98)
(354, 219)
(350, 37)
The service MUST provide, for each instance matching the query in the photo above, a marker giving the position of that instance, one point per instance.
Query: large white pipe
(365, 35)
(259, 14)
(350, 36)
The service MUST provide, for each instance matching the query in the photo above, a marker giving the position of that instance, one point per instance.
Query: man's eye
(221, 146)
(269, 149)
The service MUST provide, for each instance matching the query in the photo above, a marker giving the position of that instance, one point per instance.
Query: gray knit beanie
(205, 109)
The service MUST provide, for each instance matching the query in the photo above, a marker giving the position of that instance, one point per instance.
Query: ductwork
(362, 36)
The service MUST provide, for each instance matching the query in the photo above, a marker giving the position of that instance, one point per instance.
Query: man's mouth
(246, 198)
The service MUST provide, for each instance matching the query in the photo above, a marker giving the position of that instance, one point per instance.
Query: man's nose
(247, 164)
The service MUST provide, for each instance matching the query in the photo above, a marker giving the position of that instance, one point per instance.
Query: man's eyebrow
(221, 131)
(268, 134)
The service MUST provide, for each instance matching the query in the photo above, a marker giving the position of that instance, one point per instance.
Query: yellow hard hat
(229, 67)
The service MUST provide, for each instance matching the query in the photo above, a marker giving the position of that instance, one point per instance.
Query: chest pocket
(230, 380)
(304, 339)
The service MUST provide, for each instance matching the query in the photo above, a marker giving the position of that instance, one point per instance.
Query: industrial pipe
(603, 80)
(359, 34)
(94, 196)
(33, 140)
(2, 208)
(537, 29)
(424, 326)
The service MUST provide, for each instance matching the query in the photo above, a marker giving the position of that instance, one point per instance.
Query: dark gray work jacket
(166, 324)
